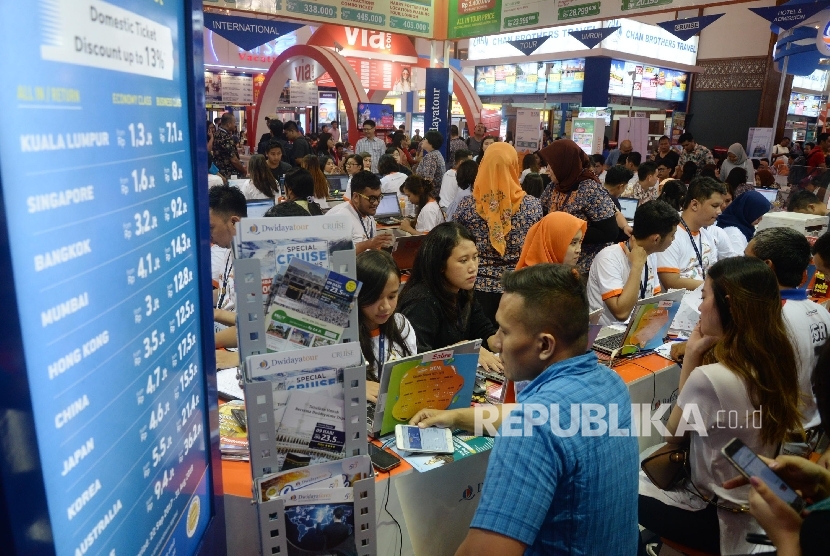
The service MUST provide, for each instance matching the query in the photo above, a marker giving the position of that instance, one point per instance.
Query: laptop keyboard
(610, 343)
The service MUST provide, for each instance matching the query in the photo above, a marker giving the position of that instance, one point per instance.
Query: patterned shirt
(591, 202)
(455, 144)
(491, 265)
(432, 168)
(645, 195)
(576, 494)
(700, 156)
(376, 147)
(224, 149)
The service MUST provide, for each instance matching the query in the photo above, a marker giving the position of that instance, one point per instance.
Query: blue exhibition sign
(437, 113)
(790, 14)
(247, 32)
(685, 29)
(592, 37)
(98, 184)
(528, 46)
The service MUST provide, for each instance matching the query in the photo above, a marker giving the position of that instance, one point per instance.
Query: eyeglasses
(373, 199)
(352, 164)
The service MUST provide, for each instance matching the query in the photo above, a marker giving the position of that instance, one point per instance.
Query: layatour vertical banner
(98, 188)
(437, 110)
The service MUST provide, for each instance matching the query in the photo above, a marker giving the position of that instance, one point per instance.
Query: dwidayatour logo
(468, 493)
(253, 229)
(263, 364)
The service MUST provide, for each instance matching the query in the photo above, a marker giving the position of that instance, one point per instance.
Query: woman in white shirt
(384, 335)
(739, 380)
(261, 183)
(427, 213)
(740, 218)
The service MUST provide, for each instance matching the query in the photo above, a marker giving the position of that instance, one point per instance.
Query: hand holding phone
(429, 440)
(750, 465)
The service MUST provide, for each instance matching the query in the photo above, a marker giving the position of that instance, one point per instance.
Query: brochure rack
(259, 405)
(272, 521)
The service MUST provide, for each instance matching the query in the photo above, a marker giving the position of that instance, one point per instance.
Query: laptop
(337, 184)
(440, 379)
(405, 249)
(647, 326)
(628, 206)
(257, 208)
(769, 194)
(389, 210)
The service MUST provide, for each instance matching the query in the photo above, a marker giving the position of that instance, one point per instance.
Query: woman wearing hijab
(576, 190)
(499, 215)
(736, 158)
(556, 238)
(741, 216)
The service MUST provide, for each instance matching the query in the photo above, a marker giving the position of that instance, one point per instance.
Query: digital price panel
(98, 190)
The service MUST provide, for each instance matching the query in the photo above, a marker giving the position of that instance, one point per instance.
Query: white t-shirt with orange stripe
(608, 275)
(681, 257)
(392, 352)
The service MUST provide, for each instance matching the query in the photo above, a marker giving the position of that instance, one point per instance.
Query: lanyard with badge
(694, 245)
(368, 233)
(225, 278)
(644, 281)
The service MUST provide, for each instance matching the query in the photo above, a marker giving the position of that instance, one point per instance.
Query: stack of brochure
(308, 401)
(233, 433)
(310, 307)
(319, 504)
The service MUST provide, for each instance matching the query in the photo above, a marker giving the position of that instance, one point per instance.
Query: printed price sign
(326, 437)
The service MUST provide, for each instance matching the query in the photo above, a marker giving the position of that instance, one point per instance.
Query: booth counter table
(435, 508)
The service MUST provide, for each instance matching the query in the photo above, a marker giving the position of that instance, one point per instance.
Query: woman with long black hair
(384, 334)
(438, 298)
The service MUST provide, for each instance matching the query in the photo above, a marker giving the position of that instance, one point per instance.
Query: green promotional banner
(472, 18)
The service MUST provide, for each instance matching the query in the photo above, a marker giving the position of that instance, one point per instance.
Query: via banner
(437, 109)
(246, 32)
(685, 29)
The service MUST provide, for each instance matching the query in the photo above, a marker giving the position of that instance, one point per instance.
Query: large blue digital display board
(98, 190)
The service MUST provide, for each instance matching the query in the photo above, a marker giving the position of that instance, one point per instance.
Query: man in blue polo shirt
(570, 491)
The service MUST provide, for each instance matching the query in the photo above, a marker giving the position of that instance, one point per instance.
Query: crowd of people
(518, 249)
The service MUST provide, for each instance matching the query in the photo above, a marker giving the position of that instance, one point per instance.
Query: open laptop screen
(337, 184)
(628, 207)
(258, 208)
(389, 207)
(769, 194)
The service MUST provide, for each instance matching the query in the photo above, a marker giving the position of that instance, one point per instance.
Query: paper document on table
(687, 317)
(227, 384)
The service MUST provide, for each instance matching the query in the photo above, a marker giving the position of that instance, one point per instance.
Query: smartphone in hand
(749, 465)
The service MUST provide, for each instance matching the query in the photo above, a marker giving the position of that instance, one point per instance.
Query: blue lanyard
(381, 354)
(360, 219)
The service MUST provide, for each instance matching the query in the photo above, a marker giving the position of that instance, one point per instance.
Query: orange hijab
(497, 192)
(548, 240)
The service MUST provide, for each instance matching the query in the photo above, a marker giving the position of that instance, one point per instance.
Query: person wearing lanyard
(685, 263)
(384, 334)
(361, 207)
(227, 206)
(626, 272)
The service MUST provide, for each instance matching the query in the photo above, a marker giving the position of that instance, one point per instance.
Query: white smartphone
(432, 439)
(750, 465)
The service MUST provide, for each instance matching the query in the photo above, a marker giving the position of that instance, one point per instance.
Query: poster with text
(105, 257)
(527, 130)
(759, 142)
(407, 17)
(587, 133)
